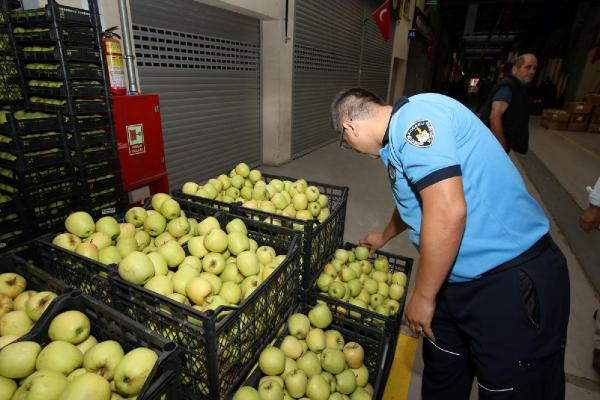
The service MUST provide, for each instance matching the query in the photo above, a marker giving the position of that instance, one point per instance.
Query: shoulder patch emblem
(391, 172)
(420, 134)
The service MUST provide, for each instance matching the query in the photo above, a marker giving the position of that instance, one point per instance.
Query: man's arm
(498, 109)
(590, 218)
(375, 240)
(442, 227)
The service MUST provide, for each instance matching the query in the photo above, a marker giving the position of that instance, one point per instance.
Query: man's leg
(517, 323)
(448, 372)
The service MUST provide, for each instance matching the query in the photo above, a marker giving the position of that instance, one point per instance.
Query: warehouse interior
(135, 98)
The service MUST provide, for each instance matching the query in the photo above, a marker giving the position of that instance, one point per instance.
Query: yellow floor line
(401, 371)
(580, 146)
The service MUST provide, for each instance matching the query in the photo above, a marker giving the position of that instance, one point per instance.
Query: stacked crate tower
(60, 49)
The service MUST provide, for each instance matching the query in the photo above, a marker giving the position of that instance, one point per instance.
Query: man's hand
(419, 313)
(590, 218)
(374, 241)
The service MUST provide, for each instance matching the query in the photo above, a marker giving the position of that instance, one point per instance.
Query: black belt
(527, 255)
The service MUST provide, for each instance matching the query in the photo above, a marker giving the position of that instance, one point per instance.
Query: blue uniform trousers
(507, 329)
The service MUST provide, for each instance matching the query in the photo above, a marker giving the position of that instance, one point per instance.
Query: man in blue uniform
(491, 292)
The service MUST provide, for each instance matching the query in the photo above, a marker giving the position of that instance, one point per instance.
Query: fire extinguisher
(111, 47)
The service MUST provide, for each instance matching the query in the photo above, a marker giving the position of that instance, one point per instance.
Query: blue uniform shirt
(432, 138)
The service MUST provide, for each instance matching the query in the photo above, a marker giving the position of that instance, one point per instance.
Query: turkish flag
(381, 16)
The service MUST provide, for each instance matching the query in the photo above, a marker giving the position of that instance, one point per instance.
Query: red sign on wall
(135, 139)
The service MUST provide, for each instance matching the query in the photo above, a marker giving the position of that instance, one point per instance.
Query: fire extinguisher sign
(135, 139)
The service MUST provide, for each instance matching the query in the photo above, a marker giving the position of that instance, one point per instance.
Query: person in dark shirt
(506, 110)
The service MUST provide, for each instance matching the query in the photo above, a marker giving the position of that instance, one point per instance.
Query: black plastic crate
(8, 66)
(318, 240)
(64, 14)
(108, 324)
(79, 106)
(15, 126)
(72, 53)
(32, 142)
(88, 137)
(85, 274)
(216, 353)
(100, 183)
(379, 354)
(86, 122)
(70, 34)
(74, 71)
(10, 240)
(35, 159)
(105, 167)
(37, 279)
(57, 208)
(91, 154)
(27, 180)
(8, 206)
(76, 91)
(11, 221)
(48, 193)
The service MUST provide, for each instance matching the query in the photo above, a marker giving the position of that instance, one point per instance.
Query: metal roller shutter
(332, 45)
(204, 62)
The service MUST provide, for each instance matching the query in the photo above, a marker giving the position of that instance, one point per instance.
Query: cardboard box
(594, 127)
(595, 118)
(579, 118)
(551, 114)
(579, 107)
(556, 125)
(592, 98)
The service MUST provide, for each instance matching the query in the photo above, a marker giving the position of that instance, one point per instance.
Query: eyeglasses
(343, 144)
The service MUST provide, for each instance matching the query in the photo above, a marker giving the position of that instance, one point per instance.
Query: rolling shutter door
(204, 63)
(334, 48)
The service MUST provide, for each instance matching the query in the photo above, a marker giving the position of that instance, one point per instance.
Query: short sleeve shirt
(503, 94)
(432, 138)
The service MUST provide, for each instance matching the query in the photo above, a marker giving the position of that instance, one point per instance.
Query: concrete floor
(573, 159)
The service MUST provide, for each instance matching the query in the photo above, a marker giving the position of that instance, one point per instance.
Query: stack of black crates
(60, 52)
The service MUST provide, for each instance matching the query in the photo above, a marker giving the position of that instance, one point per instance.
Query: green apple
(181, 278)
(142, 238)
(87, 344)
(337, 290)
(271, 361)
(265, 254)
(214, 280)
(243, 170)
(136, 216)
(19, 302)
(345, 382)
(291, 347)
(393, 305)
(334, 339)
(379, 276)
(216, 241)
(59, 356)
(371, 286)
(71, 326)
(109, 226)
(103, 358)
(17, 360)
(163, 238)
(254, 175)
(75, 373)
(332, 360)
(315, 340)
(360, 394)
(126, 246)
(158, 199)
(109, 255)
(160, 284)
(7, 388)
(298, 325)
(192, 261)
(309, 363)
(314, 209)
(317, 388)
(88, 250)
(88, 386)
(133, 369)
(232, 192)
(246, 393)
(224, 179)
(231, 273)
(399, 278)
(213, 263)
(196, 246)
(80, 224)
(376, 300)
(207, 225)
(173, 253)
(137, 268)
(42, 385)
(126, 230)
(396, 291)
(248, 263)
(381, 264)
(178, 227)
(361, 252)
(237, 242)
(295, 383)
(355, 287)
(15, 323)
(323, 201)
(348, 274)
(38, 303)
(231, 292)
(362, 375)
(66, 241)
(197, 289)
(270, 390)
(253, 245)
(323, 282)
(342, 255)
(155, 224)
(160, 264)
(299, 201)
(237, 181)
(189, 188)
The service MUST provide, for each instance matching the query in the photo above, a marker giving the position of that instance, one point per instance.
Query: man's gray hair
(519, 60)
(354, 103)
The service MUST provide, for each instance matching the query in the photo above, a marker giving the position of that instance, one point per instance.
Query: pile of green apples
(22, 114)
(28, 30)
(42, 66)
(311, 362)
(73, 365)
(290, 199)
(38, 48)
(221, 266)
(38, 83)
(45, 100)
(19, 308)
(351, 277)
